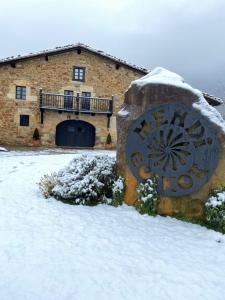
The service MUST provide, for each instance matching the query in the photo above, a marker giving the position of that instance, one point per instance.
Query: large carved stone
(166, 129)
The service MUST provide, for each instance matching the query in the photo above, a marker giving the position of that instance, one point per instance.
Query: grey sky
(185, 36)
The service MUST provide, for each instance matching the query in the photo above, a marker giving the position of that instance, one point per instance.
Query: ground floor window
(24, 120)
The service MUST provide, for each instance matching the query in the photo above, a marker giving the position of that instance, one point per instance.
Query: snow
(147, 191)
(54, 251)
(160, 75)
(3, 149)
(118, 185)
(123, 113)
(210, 112)
(216, 201)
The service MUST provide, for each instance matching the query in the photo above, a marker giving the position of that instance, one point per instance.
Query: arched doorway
(75, 133)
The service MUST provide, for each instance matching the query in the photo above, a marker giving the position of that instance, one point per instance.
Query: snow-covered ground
(53, 251)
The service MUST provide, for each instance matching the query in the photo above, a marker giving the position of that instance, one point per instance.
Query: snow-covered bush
(47, 183)
(147, 197)
(87, 180)
(118, 189)
(215, 209)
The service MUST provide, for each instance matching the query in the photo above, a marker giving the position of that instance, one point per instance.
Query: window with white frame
(78, 73)
(21, 92)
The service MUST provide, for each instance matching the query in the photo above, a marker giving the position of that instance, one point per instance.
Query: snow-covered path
(53, 251)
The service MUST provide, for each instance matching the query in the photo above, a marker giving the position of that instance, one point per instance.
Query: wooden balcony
(75, 104)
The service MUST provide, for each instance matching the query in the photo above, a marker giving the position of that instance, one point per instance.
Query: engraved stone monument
(166, 129)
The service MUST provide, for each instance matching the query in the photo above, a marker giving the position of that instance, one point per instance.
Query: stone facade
(103, 78)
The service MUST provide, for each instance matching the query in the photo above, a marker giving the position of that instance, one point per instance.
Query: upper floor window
(79, 73)
(21, 92)
(24, 120)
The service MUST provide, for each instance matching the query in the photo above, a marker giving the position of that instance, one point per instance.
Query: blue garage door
(75, 133)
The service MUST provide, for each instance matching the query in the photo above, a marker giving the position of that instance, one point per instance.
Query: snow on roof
(160, 75)
(77, 46)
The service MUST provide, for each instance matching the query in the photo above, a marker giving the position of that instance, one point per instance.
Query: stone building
(70, 94)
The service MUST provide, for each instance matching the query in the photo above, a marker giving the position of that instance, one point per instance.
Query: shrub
(36, 135)
(109, 139)
(47, 183)
(87, 180)
(147, 197)
(118, 189)
(215, 209)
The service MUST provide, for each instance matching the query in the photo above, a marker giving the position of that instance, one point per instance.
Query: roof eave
(71, 48)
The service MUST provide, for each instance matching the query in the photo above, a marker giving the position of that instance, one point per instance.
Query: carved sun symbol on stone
(169, 150)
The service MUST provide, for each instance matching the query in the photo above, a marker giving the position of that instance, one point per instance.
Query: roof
(212, 100)
(68, 48)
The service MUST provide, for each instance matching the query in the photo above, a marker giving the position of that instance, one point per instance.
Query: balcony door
(68, 99)
(86, 101)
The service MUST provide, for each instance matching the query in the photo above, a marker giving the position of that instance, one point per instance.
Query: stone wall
(102, 79)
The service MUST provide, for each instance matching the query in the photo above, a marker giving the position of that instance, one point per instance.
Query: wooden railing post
(77, 102)
(111, 104)
(41, 104)
(40, 97)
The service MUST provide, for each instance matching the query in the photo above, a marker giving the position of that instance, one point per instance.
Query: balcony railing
(77, 104)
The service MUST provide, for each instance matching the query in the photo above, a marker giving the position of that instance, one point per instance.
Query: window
(70, 129)
(68, 93)
(24, 120)
(79, 73)
(86, 94)
(21, 92)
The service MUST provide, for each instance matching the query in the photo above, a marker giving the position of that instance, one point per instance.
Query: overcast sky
(185, 36)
